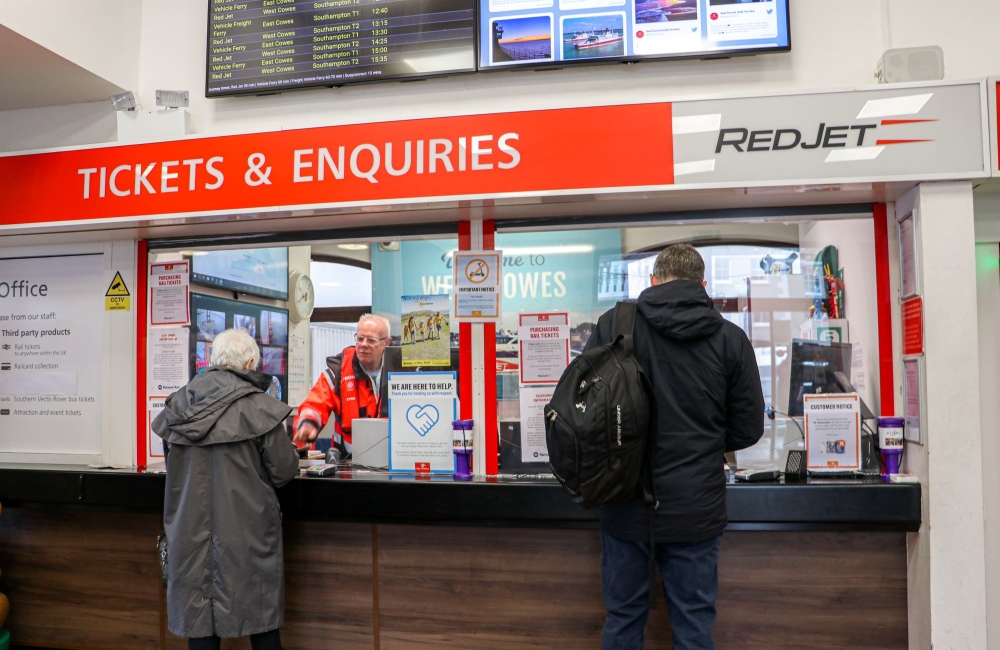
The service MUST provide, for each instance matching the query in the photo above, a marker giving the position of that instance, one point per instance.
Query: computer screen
(258, 271)
(267, 325)
(815, 365)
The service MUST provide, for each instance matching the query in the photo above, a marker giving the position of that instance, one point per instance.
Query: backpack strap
(624, 330)
(623, 324)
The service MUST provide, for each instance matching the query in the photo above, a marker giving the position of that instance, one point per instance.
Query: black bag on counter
(601, 420)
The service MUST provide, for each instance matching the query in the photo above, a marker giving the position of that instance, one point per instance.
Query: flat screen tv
(258, 271)
(547, 33)
(268, 46)
(267, 325)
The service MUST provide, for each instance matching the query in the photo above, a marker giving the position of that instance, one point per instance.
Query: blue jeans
(690, 582)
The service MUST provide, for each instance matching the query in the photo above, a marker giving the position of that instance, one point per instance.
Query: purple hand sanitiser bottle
(890, 442)
(462, 448)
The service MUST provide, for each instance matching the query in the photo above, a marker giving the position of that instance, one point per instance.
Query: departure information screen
(262, 46)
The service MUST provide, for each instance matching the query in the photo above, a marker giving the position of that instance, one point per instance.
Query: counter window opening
(778, 281)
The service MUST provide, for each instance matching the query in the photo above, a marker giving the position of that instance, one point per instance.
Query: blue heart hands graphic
(422, 418)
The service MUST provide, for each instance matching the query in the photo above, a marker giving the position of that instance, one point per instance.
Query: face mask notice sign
(833, 432)
(477, 286)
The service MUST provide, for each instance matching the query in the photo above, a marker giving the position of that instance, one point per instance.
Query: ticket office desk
(374, 560)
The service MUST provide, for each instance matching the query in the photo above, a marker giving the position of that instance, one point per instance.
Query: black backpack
(601, 421)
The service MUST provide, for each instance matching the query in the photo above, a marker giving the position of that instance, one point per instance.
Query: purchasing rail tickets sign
(884, 133)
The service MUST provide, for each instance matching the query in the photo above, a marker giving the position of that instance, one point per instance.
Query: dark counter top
(524, 500)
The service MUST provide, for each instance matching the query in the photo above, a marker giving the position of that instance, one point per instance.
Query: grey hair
(679, 262)
(381, 320)
(233, 348)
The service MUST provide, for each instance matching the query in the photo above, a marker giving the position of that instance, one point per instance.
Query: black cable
(770, 412)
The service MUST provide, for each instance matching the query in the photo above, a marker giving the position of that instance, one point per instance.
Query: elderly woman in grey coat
(227, 451)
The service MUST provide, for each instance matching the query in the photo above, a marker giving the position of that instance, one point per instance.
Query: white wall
(99, 35)
(831, 46)
(946, 559)
(988, 295)
(57, 126)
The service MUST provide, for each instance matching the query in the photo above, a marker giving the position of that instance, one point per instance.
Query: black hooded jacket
(709, 401)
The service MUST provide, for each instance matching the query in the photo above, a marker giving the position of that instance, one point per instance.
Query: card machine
(755, 475)
(322, 470)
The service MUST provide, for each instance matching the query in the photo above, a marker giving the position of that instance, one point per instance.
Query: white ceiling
(32, 76)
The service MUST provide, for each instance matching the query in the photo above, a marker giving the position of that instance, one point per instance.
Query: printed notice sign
(543, 340)
(913, 326)
(168, 294)
(833, 432)
(52, 354)
(477, 286)
(154, 442)
(426, 339)
(167, 365)
(422, 406)
(912, 399)
(533, 400)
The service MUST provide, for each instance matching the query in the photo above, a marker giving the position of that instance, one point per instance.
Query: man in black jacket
(709, 401)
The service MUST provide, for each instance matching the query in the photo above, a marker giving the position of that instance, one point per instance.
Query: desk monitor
(815, 369)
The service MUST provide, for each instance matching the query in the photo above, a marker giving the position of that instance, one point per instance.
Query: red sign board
(913, 326)
(465, 157)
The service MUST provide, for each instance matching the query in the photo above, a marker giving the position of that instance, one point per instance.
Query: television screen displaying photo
(544, 33)
(273, 328)
(273, 361)
(267, 325)
(257, 271)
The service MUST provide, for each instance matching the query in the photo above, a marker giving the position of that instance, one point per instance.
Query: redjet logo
(826, 137)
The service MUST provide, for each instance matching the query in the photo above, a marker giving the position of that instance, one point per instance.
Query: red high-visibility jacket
(347, 394)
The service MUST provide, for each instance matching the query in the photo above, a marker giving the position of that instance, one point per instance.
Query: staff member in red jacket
(352, 386)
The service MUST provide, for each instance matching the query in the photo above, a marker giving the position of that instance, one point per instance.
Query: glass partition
(778, 281)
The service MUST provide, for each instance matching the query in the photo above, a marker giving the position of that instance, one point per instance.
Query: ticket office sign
(833, 432)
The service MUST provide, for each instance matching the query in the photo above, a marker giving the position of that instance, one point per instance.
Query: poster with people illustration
(426, 332)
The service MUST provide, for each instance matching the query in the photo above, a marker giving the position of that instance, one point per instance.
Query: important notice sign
(477, 289)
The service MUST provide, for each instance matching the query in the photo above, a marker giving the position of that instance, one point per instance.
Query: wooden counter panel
(329, 592)
(836, 590)
(81, 579)
(90, 580)
(528, 588)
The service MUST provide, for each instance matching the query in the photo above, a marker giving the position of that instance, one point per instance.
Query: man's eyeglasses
(369, 340)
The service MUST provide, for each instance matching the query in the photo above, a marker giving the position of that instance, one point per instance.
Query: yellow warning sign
(117, 297)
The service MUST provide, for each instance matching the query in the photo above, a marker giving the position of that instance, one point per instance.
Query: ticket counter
(400, 559)
(391, 561)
